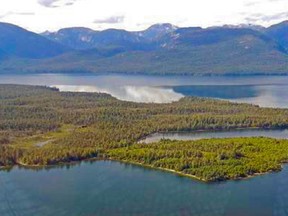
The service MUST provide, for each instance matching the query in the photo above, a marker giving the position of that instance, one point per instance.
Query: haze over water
(266, 91)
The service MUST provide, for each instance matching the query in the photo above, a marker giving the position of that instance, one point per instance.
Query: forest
(43, 126)
(209, 159)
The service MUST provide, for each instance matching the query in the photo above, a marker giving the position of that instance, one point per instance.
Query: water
(113, 188)
(281, 134)
(266, 91)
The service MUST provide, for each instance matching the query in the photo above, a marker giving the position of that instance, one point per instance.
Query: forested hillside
(17, 42)
(42, 126)
(160, 49)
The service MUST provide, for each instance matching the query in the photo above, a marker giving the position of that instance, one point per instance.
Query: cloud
(53, 3)
(25, 13)
(110, 20)
(5, 15)
(138, 15)
(47, 3)
(16, 13)
(252, 3)
(69, 3)
(266, 18)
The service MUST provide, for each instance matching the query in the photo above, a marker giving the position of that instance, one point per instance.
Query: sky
(133, 15)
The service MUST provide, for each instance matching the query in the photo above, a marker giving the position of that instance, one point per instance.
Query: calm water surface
(266, 91)
(113, 188)
(280, 134)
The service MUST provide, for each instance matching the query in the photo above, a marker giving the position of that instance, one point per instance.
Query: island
(41, 126)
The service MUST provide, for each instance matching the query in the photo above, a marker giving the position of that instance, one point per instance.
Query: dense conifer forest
(210, 159)
(42, 126)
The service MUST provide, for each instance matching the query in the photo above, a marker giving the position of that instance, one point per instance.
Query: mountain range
(160, 49)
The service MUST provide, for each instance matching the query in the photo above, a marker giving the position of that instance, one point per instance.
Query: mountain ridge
(160, 49)
(18, 42)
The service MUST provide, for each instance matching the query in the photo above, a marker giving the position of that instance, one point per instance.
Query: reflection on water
(111, 188)
(268, 96)
(267, 91)
(280, 134)
(144, 94)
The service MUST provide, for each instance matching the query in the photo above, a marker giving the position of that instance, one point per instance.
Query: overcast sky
(41, 15)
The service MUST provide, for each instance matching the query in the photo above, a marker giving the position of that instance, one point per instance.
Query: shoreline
(207, 131)
(196, 177)
(171, 74)
(181, 174)
(162, 169)
(73, 162)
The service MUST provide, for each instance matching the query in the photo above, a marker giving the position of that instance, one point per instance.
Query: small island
(41, 126)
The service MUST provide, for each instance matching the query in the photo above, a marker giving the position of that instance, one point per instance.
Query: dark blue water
(218, 91)
(266, 91)
(113, 188)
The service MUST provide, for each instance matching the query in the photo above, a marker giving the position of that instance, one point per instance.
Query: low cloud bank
(143, 94)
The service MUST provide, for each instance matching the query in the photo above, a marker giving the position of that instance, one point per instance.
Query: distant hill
(160, 49)
(18, 42)
(279, 32)
(3, 55)
(185, 51)
(84, 38)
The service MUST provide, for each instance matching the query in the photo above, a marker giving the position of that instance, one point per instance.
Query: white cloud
(16, 13)
(110, 20)
(55, 14)
(47, 3)
(56, 3)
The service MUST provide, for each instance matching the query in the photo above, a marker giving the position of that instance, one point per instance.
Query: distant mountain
(155, 37)
(279, 32)
(191, 37)
(84, 38)
(194, 51)
(3, 55)
(75, 38)
(156, 32)
(247, 26)
(160, 49)
(18, 42)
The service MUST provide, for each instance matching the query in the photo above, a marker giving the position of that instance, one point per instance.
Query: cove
(114, 188)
